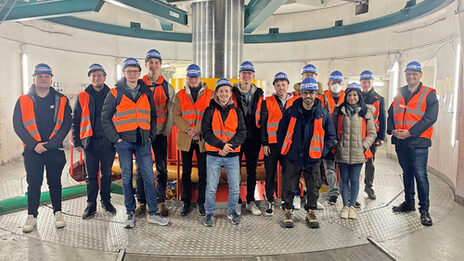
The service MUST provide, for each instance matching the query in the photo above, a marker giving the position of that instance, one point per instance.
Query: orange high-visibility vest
(224, 130)
(193, 112)
(405, 116)
(367, 153)
(317, 141)
(130, 115)
(331, 101)
(161, 99)
(29, 120)
(86, 126)
(272, 110)
(376, 105)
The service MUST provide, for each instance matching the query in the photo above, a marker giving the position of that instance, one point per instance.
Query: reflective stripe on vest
(405, 116)
(160, 98)
(367, 153)
(376, 105)
(29, 120)
(86, 126)
(224, 130)
(130, 115)
(331, 100)
(193, 113)
(317, 141)
(273, 119)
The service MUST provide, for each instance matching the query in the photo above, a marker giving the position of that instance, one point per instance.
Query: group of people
(301, 130)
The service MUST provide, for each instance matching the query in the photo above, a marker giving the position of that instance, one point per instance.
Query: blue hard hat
(42, 68)
(280, 76)
(247, 66)
(96, 67)
(222, 82)
(309, 68)
(193, 70)
(414, 66)
(130, 62)
(353, 85)
(309, 84)
(336, 76)
(366, 75)
(153, 53)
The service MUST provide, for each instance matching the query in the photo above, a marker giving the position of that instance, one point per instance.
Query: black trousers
(160, 149)
(53, 161)
(290, 183)
(187, 171)
(370, 168)
(270, 164)
(98, 156)
(251, 149)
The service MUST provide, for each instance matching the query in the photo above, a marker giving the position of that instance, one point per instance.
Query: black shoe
(357, 204)
(186, 210)
(370, 193)
(201, 210)
(88, 213)
(404, 207)
(333, 200)
(108, 207)
(425, 218)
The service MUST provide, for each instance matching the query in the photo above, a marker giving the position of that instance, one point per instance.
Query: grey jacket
(350, 145)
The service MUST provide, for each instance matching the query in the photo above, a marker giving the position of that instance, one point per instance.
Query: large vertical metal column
(217, 35)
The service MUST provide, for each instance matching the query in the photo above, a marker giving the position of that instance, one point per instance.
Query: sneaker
(352, 214)
(186, 210)
(288, 218)
(158, 219)
(425, 218)
(370, 193)
(253, 208)
(311, 219)
(296, 202)
(163, 210)
(109, 207)
(320, 206)
(270, 209)
(88, 213)
(141, 209)
(59, 220)
(31, 222)
(209, 222)
(239, 209)
(235, 218)
(344, 212)
(130, 221)
(333, 200)
(357, 205)
(201, 210)
(404, 207)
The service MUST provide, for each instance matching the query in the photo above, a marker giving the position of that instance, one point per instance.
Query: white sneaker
(239, 209)
(31, 222)
(344, 212)
(352, 214)
(59, 220)
(296, 202)
(320, 206)
(253, 208)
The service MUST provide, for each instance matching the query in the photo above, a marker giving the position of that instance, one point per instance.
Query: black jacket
(57, 140)
(207, 129)
(109, 109)
(299, 150)
(77, 113)
(250, 118)
(429, 118)
(369, 98)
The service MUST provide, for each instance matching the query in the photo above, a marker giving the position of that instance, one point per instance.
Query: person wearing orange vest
(88, 137)
(410, 120)
(334, 97)
(189, 106)
(129, 121)
(305, 135)
(42, 119)
(163, 94)
(371, 97)
(270, 113)
(224, 130)
(356, 133)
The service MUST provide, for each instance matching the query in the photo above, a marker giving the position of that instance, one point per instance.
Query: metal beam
(257, 11)
(165, 24)
(156, 8)
(45, 9)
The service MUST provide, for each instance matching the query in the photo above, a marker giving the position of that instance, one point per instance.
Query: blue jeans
(232, 167)
(349, 182)
(145, 164)
(413, 161)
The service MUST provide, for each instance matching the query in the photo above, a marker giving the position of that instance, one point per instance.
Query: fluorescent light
(25, 74)
(396, 76)
(118, 72)
(165, 65)
(378, 83)
(455, 95)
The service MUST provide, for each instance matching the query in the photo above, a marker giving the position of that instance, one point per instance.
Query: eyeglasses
(132, 71)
